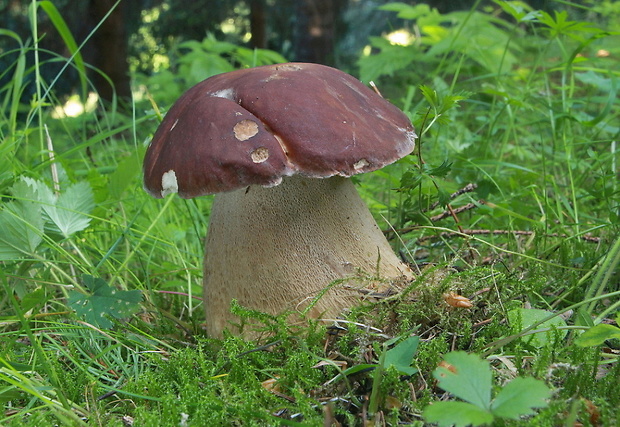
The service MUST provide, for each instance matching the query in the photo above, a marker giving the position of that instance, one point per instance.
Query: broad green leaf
(390, 59)
(459, 414)
(519, 397)
(519, 10)
(22, 228)
(467, 377)
(526, 317)
(103, 302)
(406, 11)
(124, 174)
(10, 393)
(597, 335)
(33, 299)
(70, 212)
(401, 356)
(21, 223)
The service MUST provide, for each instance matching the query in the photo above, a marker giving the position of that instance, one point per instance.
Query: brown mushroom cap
(258, 125)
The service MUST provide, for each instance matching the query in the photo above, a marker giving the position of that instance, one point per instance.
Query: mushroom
(278, 145)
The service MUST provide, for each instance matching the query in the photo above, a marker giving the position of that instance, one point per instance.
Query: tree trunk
(258, 26)
(317, 29)
(110, 45)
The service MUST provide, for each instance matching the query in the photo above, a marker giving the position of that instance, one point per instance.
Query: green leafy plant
(103, 302)
(198, 60)
(37, 211)
(598, 334)
(469, 378)
(524, 318)
(400, 357)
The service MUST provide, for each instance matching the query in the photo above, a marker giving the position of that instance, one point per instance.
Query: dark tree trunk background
(258, 24)
(109, 44)
(317, 26)
(320, 31)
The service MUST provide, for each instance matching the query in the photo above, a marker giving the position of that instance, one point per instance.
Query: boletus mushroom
(278, 145)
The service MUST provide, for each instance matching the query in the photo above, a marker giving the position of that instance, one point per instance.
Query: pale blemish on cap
(225, 93)
(282, 67)
(169, 183)
(288, 67)
(360, 164)
(245, 130)
(174, 124)
(260, 155)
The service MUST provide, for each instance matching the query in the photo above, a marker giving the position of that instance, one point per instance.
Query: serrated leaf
(459, 414)
(526, 317)
(103, 302)
(519, 397)
(467, 377)
(21, 223)
(430, 95)
(441, 171)
(69, 213)
(597, 335)
(443, 197)
(401, 356)
(410, 179)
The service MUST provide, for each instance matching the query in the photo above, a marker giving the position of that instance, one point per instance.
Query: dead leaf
(455, 300)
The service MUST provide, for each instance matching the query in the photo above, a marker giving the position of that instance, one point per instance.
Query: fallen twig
(447, 235)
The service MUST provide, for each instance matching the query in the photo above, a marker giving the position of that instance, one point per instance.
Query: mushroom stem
(274, 249)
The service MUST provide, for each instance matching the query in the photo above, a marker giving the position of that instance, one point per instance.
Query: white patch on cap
(245, 130)
(360, 164)
(411, 137)
(224, 93)
(169, 183)
(288, 67)
(260, 155)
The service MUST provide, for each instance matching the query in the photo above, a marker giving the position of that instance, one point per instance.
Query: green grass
(526, 110)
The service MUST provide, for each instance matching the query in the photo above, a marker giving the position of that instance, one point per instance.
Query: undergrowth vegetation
(508, 211)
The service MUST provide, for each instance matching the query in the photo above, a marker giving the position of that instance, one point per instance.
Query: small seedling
(598, 334)
(468, 377)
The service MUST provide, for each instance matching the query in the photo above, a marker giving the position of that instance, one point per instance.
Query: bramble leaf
(103, 302)
(68, 212)
(21, 222)
(467, 377)
(519, 397)
(459, 414)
